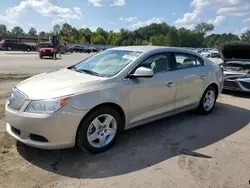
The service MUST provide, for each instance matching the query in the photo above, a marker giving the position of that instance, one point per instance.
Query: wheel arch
(110, 105)
(216, 88)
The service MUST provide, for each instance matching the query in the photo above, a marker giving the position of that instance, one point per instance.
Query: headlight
(46, 106)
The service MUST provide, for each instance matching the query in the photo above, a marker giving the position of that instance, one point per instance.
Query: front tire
(99, 130)
(207, 101)
(40, 56)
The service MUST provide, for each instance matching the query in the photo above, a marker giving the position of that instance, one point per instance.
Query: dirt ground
(186, 150)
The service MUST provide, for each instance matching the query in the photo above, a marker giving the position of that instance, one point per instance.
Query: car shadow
(236, 93)
(144, 146)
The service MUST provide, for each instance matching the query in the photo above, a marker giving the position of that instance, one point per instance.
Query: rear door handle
(170, 84)
(203, 77)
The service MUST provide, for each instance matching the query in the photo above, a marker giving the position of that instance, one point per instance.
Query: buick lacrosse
(90, 103)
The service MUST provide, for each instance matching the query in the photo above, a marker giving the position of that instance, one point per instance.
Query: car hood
(235, 52)
(59, 83)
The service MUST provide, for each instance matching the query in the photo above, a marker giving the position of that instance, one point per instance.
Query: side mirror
(142, 72)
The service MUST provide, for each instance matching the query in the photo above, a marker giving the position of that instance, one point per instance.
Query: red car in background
(46, 49)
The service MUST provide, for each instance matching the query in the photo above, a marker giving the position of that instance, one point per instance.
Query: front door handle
(170, 84)
(203, 77)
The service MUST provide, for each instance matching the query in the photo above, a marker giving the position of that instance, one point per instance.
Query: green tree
(56, 29)
(246, 36)
(160, 40)
(86, 33)
(221, 40)
(100, 31)
(75, 34)
(144, 42)
(117, 39)
(110, 37)
(154, 29)
(66, 32)
(204, 28)
(210, 40)
(233, 37)
(173, 38)
(32, 32)
(82, 40)
(3, 30)
(42, 34)
(17, 31)
(184, 36)
(126, 37)
(47, 34)
(99, 39)
(159, 34)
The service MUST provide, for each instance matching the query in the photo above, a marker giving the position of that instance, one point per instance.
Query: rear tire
(208, 101)
(41, 56)
(108, 129)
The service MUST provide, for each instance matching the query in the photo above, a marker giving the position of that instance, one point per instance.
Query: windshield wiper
(75, 69)
(86, 71)
(89, 72)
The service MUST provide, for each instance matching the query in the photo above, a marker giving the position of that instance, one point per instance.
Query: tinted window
(199, 62)
(184, 61)
(158, 63)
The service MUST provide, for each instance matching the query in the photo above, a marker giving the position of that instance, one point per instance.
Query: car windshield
(46, 45)
(107, 63)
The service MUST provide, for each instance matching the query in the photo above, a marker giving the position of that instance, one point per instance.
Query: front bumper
(237, 85)
(47, 53)
(45, 131)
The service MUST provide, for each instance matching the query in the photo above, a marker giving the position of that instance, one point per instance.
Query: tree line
(160, 34)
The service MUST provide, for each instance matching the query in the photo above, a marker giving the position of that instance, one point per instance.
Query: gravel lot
(186, 150)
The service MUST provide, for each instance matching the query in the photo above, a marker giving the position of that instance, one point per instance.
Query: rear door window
(185, 61)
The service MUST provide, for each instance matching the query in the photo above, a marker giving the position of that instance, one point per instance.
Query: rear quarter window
(199, 61)
(186, 60)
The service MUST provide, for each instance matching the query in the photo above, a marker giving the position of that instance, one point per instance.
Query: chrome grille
(16, 99)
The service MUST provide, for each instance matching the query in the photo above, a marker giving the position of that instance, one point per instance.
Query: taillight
(3, 44)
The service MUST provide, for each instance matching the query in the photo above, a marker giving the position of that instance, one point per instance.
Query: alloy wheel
(209, 100)
(102, 131)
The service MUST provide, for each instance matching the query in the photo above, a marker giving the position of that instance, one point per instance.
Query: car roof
(145, 49)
